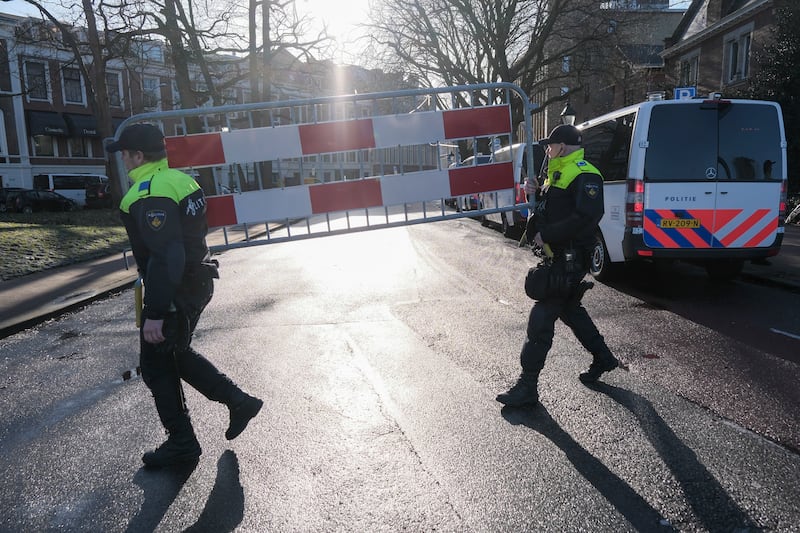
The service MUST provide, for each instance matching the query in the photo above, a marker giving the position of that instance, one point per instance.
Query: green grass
(39, 241)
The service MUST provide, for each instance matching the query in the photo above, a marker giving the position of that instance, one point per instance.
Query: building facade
(621, 71)
(47, 125)
(712, 47)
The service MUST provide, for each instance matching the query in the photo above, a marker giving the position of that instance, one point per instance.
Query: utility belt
(559, 276)
(571, 260)
(206, 270)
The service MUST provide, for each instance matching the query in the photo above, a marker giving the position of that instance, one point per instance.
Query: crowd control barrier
(296, 169)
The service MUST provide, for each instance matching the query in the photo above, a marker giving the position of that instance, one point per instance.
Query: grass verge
(39, 241)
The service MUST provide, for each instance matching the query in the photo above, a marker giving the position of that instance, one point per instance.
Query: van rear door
(713, 172)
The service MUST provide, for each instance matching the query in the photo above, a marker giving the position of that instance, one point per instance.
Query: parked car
(3, 194)
(30, 200)
(98, 195)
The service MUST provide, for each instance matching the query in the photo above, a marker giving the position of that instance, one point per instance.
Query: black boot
(524, 392)
(242, 410)
(597, 368)
(177, 449)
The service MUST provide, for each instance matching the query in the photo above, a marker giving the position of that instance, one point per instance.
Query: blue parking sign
(684, 93)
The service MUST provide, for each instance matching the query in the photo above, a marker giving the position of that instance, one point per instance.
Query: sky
(342, 16)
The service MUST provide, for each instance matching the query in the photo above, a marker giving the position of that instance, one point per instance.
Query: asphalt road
(378, 356)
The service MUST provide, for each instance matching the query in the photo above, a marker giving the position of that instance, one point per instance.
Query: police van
(699, 180)
(512, 222)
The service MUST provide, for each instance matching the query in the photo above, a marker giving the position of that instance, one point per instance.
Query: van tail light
(782, 205)
(634, 204)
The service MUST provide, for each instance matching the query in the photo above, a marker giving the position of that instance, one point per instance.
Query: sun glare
(341, 18)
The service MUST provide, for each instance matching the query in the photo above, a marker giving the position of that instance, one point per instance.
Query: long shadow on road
(712, 505)
(639, 513)
(224, 508)
(223, 511)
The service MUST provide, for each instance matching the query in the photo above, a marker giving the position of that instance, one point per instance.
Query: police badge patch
(156, 219)
(591, 190)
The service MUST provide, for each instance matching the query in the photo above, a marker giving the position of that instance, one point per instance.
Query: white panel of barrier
(415, 187)
(261, 144)
(412, 128)
(273, 204)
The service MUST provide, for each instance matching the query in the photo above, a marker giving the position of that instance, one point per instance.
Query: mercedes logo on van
(711, 173)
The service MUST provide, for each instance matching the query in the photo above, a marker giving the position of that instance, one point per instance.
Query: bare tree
(97, 32)
(93, 39)
(537, 44)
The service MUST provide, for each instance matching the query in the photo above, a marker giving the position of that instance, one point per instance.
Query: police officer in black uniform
(164, 213)
(569, 210)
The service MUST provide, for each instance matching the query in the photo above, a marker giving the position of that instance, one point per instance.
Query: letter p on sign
(684, 93)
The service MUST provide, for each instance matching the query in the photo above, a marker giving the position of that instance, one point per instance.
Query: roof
(701, 21)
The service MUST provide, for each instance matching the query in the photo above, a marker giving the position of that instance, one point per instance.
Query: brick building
(711, 48)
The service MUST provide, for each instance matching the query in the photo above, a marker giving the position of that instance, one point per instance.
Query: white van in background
(512, 222)
(73, 186)
(695, 180)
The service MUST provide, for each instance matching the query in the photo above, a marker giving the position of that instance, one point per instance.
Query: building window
(565, 63)
(150, 93)
(689, 70)
(736, 54)
(113, 89)
(5, 68)
(36, 80)
(73, 88)
(79, 147)
(150, 51)
(44, 145)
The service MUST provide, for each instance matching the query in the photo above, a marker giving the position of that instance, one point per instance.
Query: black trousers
(541, 329)
(164, 365)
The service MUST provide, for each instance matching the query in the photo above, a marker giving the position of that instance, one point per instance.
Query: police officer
(570, 208)
(164, 213)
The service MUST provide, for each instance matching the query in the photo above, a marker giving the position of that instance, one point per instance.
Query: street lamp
(568, 115)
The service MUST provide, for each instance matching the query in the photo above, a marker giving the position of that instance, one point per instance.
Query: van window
(607, 146)
(41, 181)
(95, 180)
(67, 182)
(709, 141)
(682, 144)
(749, 143)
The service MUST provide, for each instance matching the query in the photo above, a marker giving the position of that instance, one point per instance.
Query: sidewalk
(31, 299)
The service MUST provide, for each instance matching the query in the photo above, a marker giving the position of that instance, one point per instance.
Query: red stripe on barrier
(468, 180)
(336, 136)
(220, 211)
(761, 237)
(195, 150)
(744, 227)
(476, 122)
(344, 195)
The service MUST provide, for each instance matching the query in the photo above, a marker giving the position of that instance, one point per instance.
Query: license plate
(679, 223)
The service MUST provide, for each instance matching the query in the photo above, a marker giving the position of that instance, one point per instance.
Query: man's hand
(152, 331)
(531, 186)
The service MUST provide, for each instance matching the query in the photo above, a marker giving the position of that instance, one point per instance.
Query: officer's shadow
(224, 509)
(711, 504)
